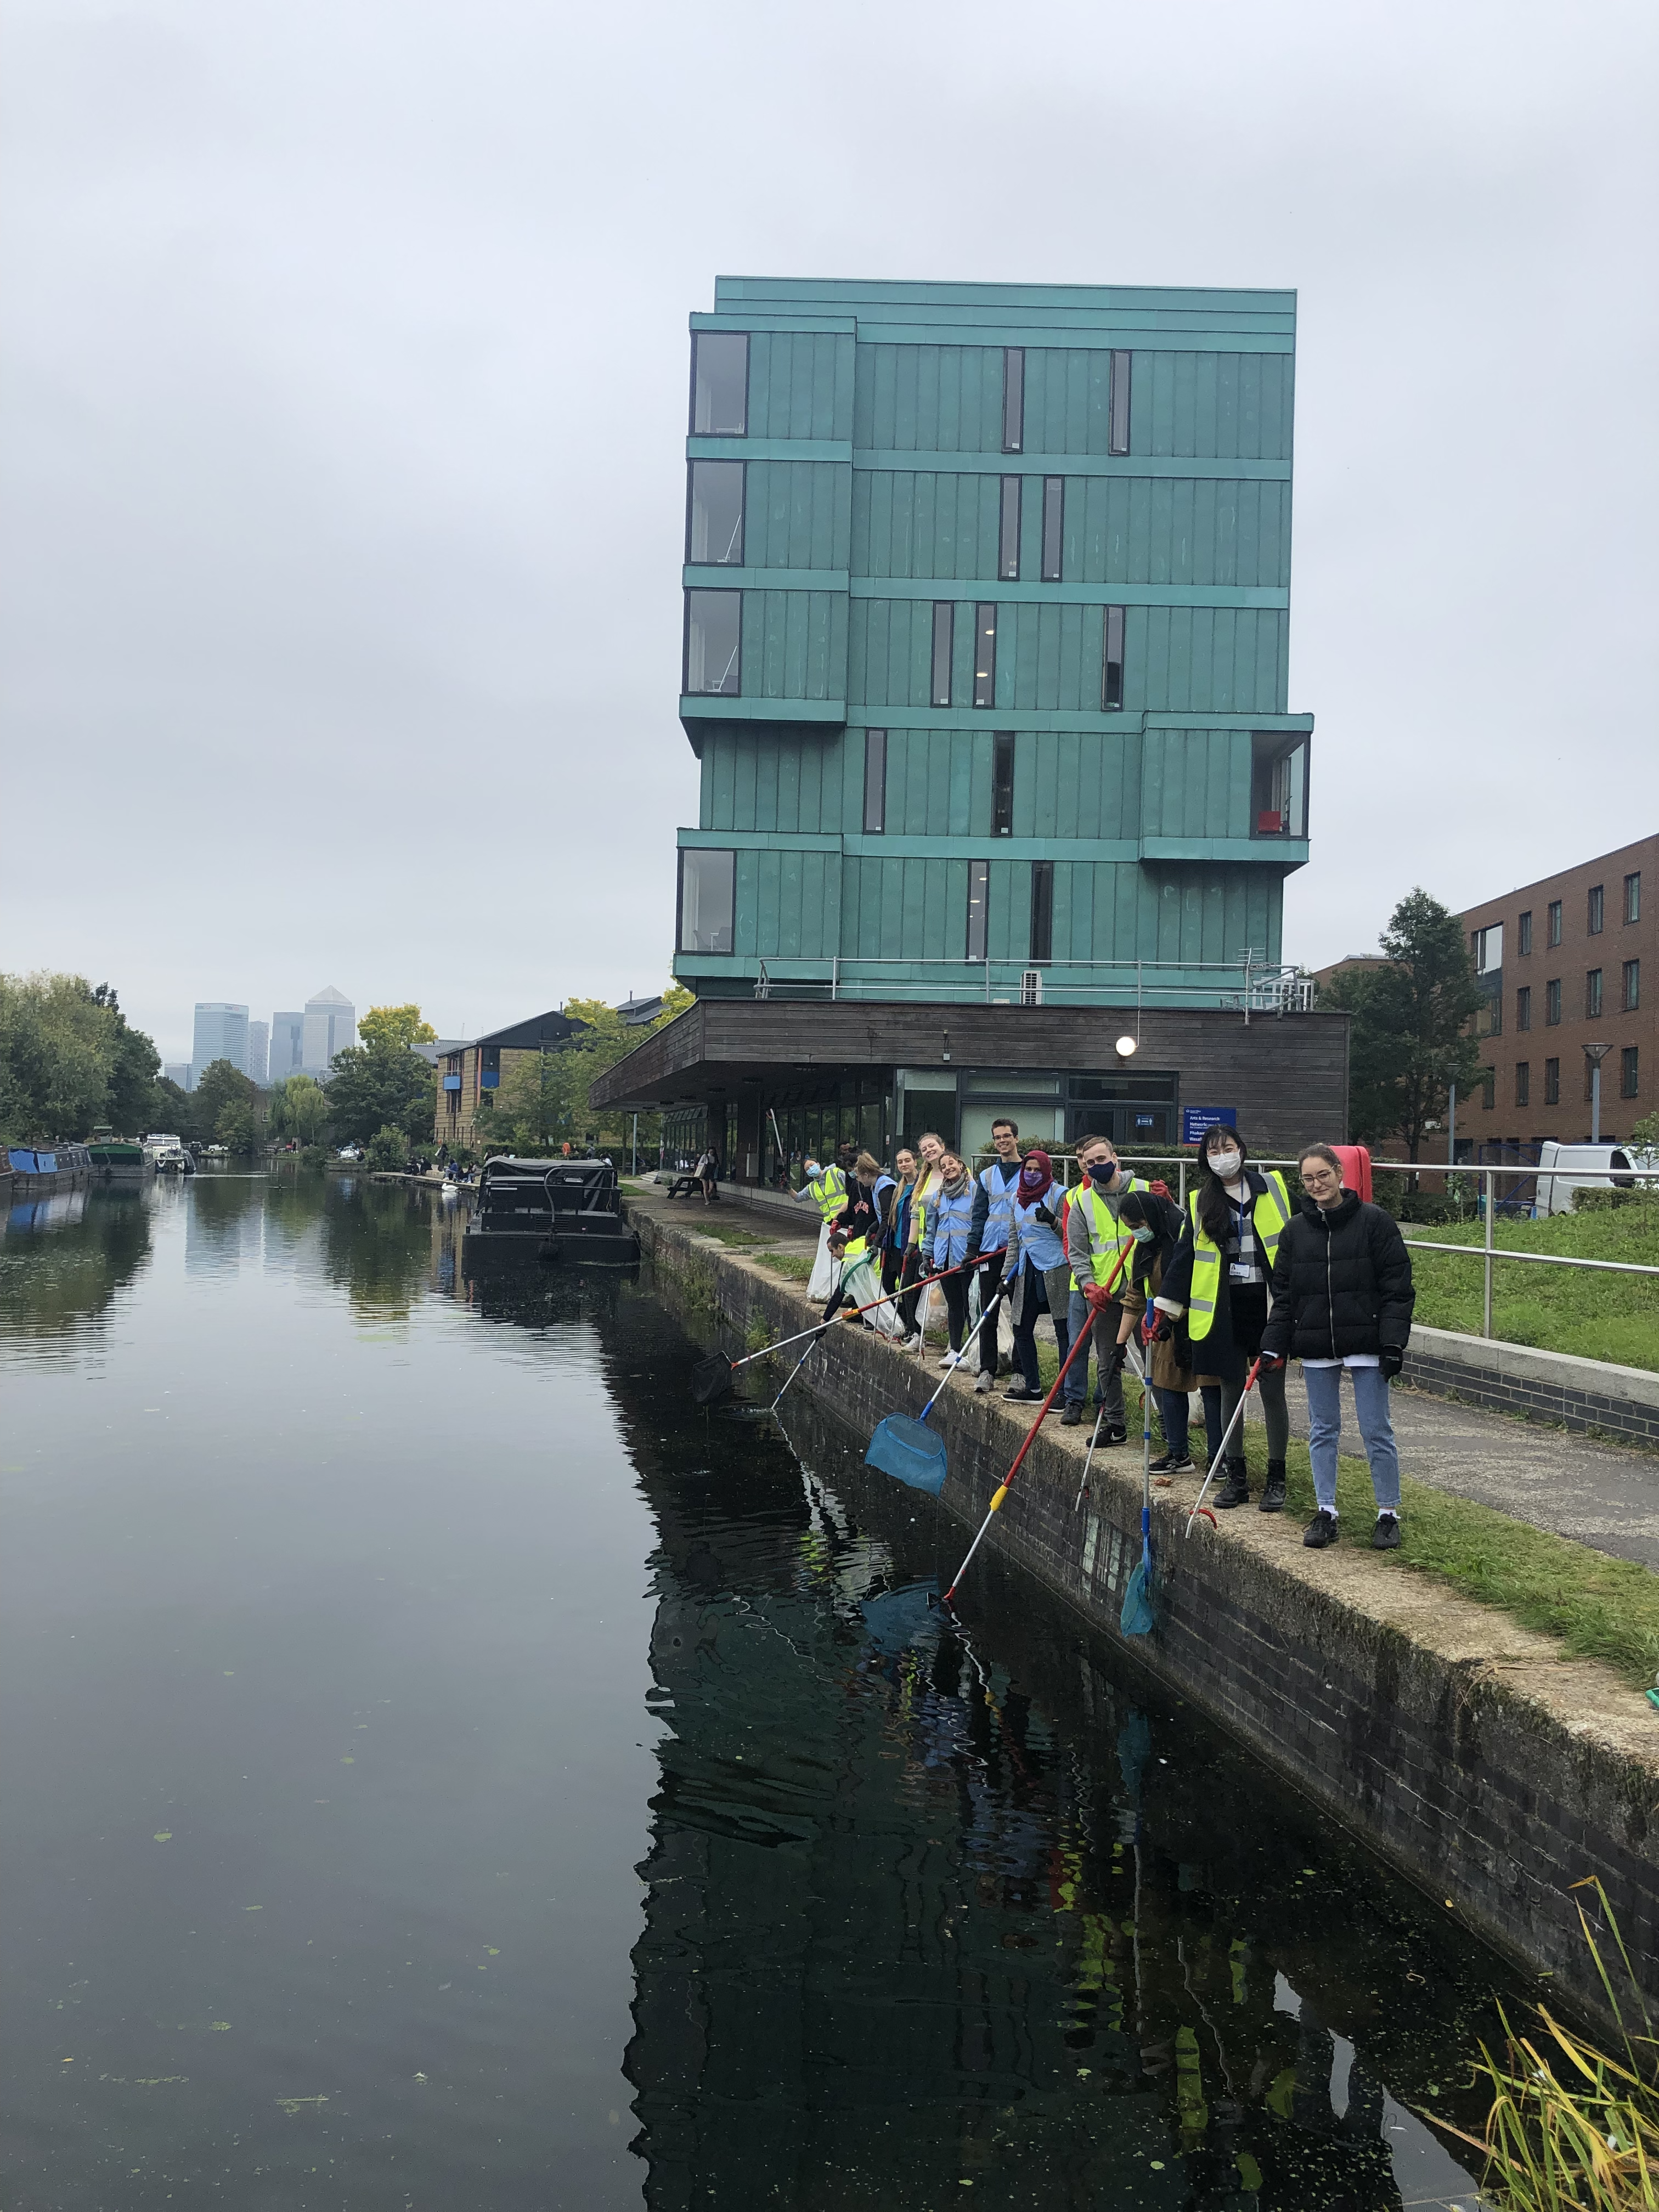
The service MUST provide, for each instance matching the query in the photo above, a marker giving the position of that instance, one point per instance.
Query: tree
(68, 1061)
(395, 1026)
(377, 1086)
(236, 1128)
(299, 1108)
(134, 1065)
(1410, 1039)
(387, 1150)
(222, 1088)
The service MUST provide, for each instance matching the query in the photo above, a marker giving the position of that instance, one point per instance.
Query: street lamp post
(1595, 1053)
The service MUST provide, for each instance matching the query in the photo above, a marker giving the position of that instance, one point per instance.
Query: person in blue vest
(950, 1229)
(1219, 1281)
(988, 1238)
(855, 1240)
(1035, 1270)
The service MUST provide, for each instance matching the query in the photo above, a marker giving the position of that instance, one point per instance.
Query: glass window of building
(714, 521)
(719, 384)
(1592, 993)
(1043, 911)
(979, 901)
(1553, 922)
(875, 782)
(1279, 785)
(713, 640)
(1552, 1082)
(1008, 530)
(1487, 945)
(1523, 933)
(945, 626)
(1002, 784)
(1633, 985)
(1552, 1002)
(707, 898)
(1053, 528)
(985, 656)
(1111, 668)
(1633, 896)
(1597, 908)
(1488, 1089)
(1523, 1083)
(1523, 1007)
(1629, 1073)
(1013, 399)
(1118, 433)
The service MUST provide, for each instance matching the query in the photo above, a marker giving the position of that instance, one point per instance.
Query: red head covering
(1036, 1174)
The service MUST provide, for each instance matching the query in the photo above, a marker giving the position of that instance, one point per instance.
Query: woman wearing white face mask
(1218, 1278)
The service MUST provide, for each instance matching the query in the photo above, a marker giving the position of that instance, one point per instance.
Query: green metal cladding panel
(800, 385)
(797, 514)
(794, 645)
(766, 780)
(788, 905)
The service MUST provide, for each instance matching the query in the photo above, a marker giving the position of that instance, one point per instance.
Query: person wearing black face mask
(1093, 1244)
(1155, 1223)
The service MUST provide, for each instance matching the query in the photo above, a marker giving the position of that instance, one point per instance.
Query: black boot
(1236, 1489)
(1272, 1496)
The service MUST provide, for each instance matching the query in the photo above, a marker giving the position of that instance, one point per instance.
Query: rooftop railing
(1247, 986)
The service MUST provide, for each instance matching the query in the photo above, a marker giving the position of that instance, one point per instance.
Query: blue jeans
(1370, 1398)
(1172, 1410)
(1078, 1319)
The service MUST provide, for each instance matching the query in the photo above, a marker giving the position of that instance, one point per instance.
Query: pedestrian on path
(1035, 1267)
(1093, 1241)
(826, 1189)
(1155, 1223)
(987, 1240)
(1343, 1297)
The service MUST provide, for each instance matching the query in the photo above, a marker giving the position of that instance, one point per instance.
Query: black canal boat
(549, 1210)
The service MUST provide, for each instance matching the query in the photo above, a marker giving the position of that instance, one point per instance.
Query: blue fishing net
(911, 1453)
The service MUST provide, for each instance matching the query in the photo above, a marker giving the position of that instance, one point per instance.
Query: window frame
(706, 461)
(944, 634)
(1523, 1083)
(875, 782)
(697, 338)
(1630, 1071)
(1002, 783)
(712, 592)
(1552, 1003)
(978, 907)
(1054, 502)
(1013, 399)
(1524, 1009)
(1595, 910)
(1593, 994)
(700, 852)
(985, 679)
(1552, 925)
(1523, 935)
(1111, 632)
(1041, 935)
(1009, 508)
(1629, 987)
(1632, 904)
(1119, 428)
(1552, 1082)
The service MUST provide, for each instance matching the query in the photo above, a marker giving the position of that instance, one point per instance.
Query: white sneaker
(949, 1358)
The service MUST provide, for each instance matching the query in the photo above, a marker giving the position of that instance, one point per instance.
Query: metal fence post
(1485, 1301)
(1183, 1186)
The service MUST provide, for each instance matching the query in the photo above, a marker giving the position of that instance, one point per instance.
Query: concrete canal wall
(1488, 1767)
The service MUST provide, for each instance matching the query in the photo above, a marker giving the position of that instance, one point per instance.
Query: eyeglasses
(1316, 1178)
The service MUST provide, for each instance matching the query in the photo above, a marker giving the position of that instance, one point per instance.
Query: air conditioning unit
(1030, 988)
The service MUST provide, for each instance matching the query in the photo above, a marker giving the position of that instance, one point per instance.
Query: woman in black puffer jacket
(1342, 1296)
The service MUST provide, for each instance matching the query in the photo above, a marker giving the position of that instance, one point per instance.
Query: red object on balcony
(1269, 824)
(1356, 1169)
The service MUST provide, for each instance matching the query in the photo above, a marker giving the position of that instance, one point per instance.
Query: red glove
(1159, 1187)
(1098, 1296)
(1269, 1362)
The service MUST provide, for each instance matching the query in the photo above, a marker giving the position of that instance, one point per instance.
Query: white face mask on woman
(1225, 1164)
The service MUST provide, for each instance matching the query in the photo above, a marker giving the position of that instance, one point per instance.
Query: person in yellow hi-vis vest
(1217, 1283)
(1093, 1244)
(826, 1189)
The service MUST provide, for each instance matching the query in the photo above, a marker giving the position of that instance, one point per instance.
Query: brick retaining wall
(1621, 1402)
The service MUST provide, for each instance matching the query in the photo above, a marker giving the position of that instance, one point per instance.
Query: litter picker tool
(1238, 1415)
(711, 1378)
(1083, 1487)
(1137, 1617)
(904, 1445)
(999, 1496)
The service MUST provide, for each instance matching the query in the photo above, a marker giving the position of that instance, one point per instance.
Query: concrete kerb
(1472, 1753)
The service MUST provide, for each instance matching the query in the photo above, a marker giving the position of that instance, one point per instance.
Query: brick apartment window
(1633, 896)
(1523, 1007)
(1488, 1089)
(719, 384)
(875, 782)
(1595, 910)
(985, 656)
(979, 901)
(1013, 399)
(944, 630)
(1553, 922)
(1111, 671)
(1054, 527)
(707, 897)
(1523, 933)
(713, 642)
(1629, 1073)
(1117, 435)
(1552, 1082)
(1552, 1002)
(1002, 784)
(1495, 1014)
(1592, 993)
(1631, 986)
(1043, 911)
(1523, 1083)
(714, 514)
(1008, 530)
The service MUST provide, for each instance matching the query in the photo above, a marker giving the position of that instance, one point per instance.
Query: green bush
(387, 1150)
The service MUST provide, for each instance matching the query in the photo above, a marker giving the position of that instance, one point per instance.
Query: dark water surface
(444, 1769)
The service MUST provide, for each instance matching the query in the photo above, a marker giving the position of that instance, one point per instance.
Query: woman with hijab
(1036, 1273)
(1155, 1223)
(950, 1217)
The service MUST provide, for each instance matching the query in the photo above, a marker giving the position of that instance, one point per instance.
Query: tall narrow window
(1633, 985)
(1111, 670)
(985, 656)
(1597, 906)
(1118, 433)
(1488, 1089)
(1013, 399)
(1523, 933)
(1552, 923)
(1008, 530)
(1043, 912)
(1630, 1072)
(1054, 527)
(1552, 1082)
(708, 895)
(979, 899)
(875, 782)
(720, 385)
(1553, 1002)
(1633, 896)
(1523, 1007)
(945, 626)
(1002, 784)
(713, 641)
(1592, 993)
(1523, 1083)
(714, 514)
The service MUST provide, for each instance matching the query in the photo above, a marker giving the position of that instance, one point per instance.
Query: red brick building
(1563, 961)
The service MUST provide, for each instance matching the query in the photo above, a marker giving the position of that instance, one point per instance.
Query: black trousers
(954, 1288)
(990, 1274)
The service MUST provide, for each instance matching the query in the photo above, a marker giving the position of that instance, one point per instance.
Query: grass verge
(796, 1265)
(1555, 1308)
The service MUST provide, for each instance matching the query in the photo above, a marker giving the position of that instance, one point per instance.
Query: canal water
(444, 1768)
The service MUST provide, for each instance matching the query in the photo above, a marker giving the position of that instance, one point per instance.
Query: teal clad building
(985, 668)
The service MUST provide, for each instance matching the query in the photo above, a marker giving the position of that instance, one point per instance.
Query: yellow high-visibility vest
(925, 1185)
(1106, 1240)
(828, 1189)
(1270, 1213)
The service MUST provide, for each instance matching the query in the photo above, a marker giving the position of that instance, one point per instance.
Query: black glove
(1391, 1359)
(1115, 1358)
(1046, 1217)
(1163, 1329)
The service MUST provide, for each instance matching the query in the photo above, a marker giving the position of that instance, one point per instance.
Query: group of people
(1241, 1278)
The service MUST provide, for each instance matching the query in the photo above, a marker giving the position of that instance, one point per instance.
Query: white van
(1564, 1168)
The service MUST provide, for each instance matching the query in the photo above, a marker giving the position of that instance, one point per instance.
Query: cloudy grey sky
(344, 388)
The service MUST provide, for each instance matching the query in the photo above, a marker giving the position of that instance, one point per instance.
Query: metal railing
(1247, 986)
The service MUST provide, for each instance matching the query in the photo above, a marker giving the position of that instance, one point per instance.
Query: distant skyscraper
(221, 1034)
(331, 1026)
(258, 1051)
(181, 1073)
(287, 1033)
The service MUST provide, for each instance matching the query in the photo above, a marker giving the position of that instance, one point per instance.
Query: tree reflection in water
(63, 1259)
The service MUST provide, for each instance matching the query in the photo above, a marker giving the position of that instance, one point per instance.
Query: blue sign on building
(1195, 1120)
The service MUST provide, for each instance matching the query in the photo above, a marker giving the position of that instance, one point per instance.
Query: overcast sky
(344, 395)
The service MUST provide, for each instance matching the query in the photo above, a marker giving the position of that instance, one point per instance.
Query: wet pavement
(445, 1767)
